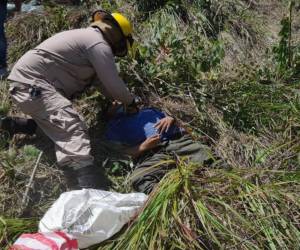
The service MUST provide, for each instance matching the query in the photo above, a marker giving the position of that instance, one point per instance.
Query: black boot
(15, 125)
(86, 177)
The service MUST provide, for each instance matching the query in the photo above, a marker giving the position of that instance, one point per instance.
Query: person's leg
(149, 170)
(3, 43)
(54, 114)
(185, 146)
(65, 128)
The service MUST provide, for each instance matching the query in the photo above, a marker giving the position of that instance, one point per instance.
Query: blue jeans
(3, 43)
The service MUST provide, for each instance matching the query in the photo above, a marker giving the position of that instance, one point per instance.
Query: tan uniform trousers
(55, 115)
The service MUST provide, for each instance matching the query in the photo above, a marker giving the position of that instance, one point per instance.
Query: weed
(5, 102)
(27, 31)
(174, 56)
(285, 55)
(10, 229)
(249, 198)
(214, 208)
(30, 152)
(253, 106)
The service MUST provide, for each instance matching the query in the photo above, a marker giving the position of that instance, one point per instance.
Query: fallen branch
(28, 186)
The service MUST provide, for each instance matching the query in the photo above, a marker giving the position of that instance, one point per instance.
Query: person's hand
(164, 124)
(134, 106)
(150, 143)
(113, 109)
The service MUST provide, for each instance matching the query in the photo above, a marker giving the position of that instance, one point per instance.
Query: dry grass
(249, 197)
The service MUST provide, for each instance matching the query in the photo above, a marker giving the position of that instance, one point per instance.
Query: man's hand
(117, 107)
(150, 143)
(134, 106)
(113, 109)
(164, 124)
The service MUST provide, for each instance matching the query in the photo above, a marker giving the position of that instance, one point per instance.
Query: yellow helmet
(124, 23)
(120, 21)
(126, 28)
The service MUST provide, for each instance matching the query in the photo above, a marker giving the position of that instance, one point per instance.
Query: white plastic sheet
(91, 216)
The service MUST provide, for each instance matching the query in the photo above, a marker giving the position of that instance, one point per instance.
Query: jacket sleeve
(96, 83)
(102, 59)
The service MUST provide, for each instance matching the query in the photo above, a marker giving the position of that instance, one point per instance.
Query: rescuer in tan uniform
(46, 77)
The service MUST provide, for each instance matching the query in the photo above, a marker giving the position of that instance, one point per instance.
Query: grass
(4, 103)
(213, 65)
(208, 208)
(28, 30)
(10, 229)
(253, 105)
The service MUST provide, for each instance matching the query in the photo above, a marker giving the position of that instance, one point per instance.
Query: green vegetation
(10, 229)
(229, 71)
(218, 209)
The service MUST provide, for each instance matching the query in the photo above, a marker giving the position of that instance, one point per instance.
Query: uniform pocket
(25, 101)
(67, 119)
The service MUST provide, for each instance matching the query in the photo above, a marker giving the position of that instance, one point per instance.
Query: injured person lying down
(151, 138)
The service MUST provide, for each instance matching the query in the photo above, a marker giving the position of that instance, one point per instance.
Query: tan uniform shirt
(70, 61)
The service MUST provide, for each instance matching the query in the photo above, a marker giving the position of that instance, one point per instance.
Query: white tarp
(91, 216)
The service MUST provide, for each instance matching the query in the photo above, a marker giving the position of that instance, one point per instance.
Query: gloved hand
(86, 177)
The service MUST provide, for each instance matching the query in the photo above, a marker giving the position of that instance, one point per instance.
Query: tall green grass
(207, 208)
(10, 229)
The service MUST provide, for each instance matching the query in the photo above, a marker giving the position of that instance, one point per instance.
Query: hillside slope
(229, 70)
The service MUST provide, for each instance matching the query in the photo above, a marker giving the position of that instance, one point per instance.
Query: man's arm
(162, 126)
(18, 5)
(148, 144)
(99, 86)
(102, 59)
